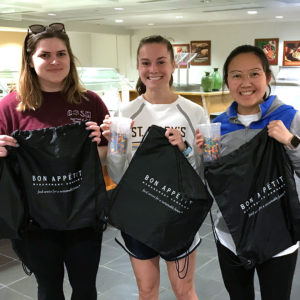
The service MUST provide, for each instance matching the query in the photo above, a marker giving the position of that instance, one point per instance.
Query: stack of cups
(211, 134)
(120, 134)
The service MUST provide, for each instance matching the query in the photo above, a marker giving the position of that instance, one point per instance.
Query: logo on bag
(164, 194)
(64, 183)
(273, 191)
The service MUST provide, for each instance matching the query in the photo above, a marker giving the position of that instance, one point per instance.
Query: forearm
(102, 151)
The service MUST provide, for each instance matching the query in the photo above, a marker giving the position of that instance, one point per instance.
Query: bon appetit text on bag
(255, 190)
(160, 200)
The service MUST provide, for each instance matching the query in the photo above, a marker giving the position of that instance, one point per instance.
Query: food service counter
(212, 102)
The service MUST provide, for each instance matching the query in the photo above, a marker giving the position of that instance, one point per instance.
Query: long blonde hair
(29, 92)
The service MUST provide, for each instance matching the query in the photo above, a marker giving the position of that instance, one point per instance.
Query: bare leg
(184, 289)
(147, 277)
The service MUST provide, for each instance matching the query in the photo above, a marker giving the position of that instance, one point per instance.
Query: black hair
(249, 49)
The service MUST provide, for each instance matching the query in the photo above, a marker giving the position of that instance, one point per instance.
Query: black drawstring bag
(160, 200)
(62, 177)
(11, 203)
(255, 190)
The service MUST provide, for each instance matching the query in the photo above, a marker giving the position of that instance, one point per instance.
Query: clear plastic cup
(120, 134)
(211, 134)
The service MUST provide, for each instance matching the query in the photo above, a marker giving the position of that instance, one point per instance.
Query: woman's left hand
(278, 131)
(175, 138)
(95, 131)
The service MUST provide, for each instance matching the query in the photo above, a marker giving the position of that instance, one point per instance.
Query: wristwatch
(295, 141)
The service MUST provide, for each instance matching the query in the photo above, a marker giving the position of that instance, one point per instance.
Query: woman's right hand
(105, 127)
(199, 141)
(6, 140)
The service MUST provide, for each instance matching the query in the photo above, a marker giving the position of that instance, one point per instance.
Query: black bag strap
(213, 228)
(101, 215)
(26, 270)
(179, 170)
(185, 267)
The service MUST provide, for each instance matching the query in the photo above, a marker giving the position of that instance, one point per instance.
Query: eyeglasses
(36, 28)
(251, 75)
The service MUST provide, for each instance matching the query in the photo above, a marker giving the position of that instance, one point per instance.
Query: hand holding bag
(256, 193)
(61, 176)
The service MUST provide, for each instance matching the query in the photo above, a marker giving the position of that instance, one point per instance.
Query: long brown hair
(157, 39)
(28, 90)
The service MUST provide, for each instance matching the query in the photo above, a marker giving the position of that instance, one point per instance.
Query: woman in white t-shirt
(158, 104)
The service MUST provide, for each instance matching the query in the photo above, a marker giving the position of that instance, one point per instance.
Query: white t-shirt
(246, 120)
(182, 114)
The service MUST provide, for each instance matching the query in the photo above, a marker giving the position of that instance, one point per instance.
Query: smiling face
(247, 82)
(51, 63)
(155, 66)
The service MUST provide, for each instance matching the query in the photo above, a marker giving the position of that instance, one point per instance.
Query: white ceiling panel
(140, 13)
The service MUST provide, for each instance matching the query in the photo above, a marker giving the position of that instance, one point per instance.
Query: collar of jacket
(278, 111)
(264, 107)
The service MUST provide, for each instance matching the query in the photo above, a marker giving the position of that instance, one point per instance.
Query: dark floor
(115, 277)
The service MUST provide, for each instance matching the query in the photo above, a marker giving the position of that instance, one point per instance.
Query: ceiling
(144, 13)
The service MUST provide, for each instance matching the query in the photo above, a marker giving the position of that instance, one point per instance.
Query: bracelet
(188, 149)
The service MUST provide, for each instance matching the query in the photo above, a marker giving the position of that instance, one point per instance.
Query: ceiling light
(179, 17)
(279, 17)
(150, 24)
(8, 11)
(119, 21)
(119, 8)
(252, 12)
(51, 14)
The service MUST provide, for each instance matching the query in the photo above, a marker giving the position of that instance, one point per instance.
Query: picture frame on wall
(203, 50)
(291, 53)
(270, 48)
(178, 49)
